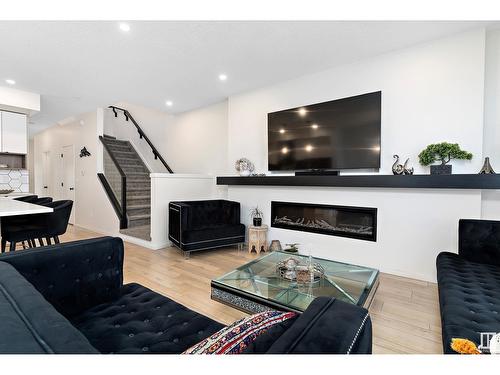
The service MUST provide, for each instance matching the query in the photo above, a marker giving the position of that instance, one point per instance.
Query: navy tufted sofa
(469, 283)
(70, 298)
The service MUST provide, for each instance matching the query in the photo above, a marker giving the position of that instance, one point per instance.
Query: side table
(257, 239)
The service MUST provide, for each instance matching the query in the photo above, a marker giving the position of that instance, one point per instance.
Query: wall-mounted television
(334, 135)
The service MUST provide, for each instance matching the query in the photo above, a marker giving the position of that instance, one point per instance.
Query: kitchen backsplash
(16, 179)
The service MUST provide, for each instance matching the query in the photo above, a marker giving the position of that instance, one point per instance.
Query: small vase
(275, 245)
(487, 169)
(257, 221)
(244, 173)
(442, 169)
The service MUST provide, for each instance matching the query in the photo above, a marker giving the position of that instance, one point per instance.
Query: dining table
(12, 207)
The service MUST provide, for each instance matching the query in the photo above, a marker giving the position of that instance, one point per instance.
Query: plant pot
(257, 221)
(441, 169)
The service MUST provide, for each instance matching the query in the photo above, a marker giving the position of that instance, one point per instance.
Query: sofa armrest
(479, 241)
(328, 326)
(233, 209)
(73, 276)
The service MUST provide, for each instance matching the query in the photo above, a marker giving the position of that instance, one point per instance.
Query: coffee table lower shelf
(252, 304)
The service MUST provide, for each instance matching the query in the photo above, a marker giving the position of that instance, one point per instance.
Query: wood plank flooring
(404, 312)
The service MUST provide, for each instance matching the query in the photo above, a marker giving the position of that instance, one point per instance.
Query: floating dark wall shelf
(455, 181)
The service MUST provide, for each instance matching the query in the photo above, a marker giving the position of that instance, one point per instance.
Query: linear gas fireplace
(344, 221)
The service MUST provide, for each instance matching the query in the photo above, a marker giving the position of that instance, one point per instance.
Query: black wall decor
(84, 152)
(343, 221)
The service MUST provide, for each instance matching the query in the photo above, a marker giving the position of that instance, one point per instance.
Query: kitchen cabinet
(13, 133)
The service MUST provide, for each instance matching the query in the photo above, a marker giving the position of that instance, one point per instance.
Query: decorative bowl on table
(292, 269)
(6, 191)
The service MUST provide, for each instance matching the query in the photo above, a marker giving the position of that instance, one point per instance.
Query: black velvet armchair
(207, 224)
(469, 283)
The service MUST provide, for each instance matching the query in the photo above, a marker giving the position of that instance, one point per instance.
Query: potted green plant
(442, 152)
(256, 215)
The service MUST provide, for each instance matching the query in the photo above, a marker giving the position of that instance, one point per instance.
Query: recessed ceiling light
(169, 103)
(222, 77)
(309, 148)
(10, 81)
(314, 126)
(282, 131)
(284, 150)
(124, 27)
(302, 111)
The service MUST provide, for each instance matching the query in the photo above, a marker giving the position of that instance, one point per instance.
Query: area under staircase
(126, 180)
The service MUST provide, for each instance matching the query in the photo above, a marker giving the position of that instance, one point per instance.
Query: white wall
(191, 142)
(92, 207)
(197, 140)
(491, 144)
(430, 93)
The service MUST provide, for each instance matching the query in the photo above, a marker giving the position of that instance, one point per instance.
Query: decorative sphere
(495, 344)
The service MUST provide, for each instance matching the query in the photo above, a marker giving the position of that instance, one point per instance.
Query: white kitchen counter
(10, 207)
(14, 194)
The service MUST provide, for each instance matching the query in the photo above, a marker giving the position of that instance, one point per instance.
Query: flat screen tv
(334, 135)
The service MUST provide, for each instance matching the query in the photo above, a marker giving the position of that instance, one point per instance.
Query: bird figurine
(397, 169)
(407, 170)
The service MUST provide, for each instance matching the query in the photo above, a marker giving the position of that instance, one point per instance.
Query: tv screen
(339, 134)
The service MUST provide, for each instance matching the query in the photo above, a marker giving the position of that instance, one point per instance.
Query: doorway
(68, 177)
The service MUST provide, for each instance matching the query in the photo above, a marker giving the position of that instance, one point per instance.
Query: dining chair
(27, 198)
(30, 228)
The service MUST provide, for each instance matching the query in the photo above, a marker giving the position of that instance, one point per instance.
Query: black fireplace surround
(344, 221)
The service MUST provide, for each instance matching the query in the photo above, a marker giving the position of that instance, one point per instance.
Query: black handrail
(120, 211)
(141, 134)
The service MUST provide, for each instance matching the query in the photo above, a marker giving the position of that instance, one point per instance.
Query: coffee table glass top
(259, 278)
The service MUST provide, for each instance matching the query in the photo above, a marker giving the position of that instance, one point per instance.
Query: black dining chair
(27, 198)
(58, 221)
(42, 201)
(29, 228)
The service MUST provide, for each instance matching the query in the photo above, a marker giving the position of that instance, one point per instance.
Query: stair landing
(142, 232)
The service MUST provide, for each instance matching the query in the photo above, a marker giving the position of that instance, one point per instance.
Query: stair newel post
(123, 221)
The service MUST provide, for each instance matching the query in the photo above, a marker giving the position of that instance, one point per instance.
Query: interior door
(46, 180)
(68, 177)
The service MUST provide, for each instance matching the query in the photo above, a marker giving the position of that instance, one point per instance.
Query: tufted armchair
(205, 224)
(469, 283)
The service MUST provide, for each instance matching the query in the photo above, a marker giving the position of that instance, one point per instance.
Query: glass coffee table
(260, 285)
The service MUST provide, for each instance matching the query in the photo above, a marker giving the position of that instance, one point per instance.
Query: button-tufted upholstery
(22, 330)
(469, 283)
(140, 321)
(77, 276)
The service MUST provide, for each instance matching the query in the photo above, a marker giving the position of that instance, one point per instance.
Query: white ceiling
(79, 66)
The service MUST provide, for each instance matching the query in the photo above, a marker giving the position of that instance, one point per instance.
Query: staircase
(138, 184)
(126, 180)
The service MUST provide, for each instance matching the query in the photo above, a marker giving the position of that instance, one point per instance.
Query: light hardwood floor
(404, 312)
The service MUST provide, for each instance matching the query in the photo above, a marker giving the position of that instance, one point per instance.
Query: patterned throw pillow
(234, 338)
